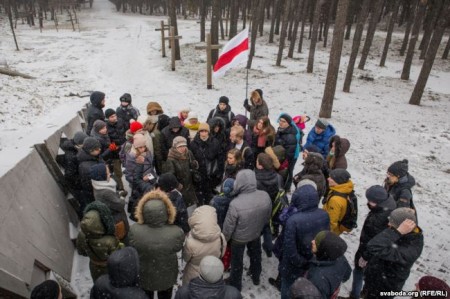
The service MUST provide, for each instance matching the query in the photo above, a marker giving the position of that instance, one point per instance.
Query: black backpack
(351, 214)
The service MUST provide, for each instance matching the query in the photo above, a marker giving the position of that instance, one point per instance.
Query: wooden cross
(172, 39)
(163, 38)
(208, 48)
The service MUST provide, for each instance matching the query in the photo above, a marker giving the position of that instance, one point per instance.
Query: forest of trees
(422, 23)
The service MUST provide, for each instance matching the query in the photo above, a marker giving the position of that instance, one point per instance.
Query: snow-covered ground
(118, 53)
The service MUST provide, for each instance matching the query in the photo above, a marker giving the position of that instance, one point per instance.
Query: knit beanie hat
(191, 115)
(311, 148)
(330, 246)
(287, 118)
(109, 112)
(203, 127)
(179, 141)
(321, 123)
(167, 182)
(319, 237)
(90, 144)
(224, 99)
(305, 182)
(79, 137)
(228, 186)
(49, 289)
(138, 140)
(399, 168)
(265, 161)
(340, 176)
(126, 97)
(135, 126)
(303, 288)
(98, 125)
(211, 269)
(174, 122)
(431, 283)
(377, 194)
(401, 214)
(98, 172)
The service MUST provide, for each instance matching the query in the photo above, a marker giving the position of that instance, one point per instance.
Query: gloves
(362, 262)
(245, 102)
(113, 147)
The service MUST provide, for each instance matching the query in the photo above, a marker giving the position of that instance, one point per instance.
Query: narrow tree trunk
(327, 22)
(272, 21)
(215, 29)
(377, 9)
(443, 22)
(261, 19)
(412, 42)
(279, 16)
(258, 6)
(283, 31)
(409, 23)
(302, 31)
(362, 16)
(391, 25)
(312, 48)
(8, 9)
(437, 6)
(203, 12)
(335, 59)
(350, 16)
(295, 31)
(447, 48)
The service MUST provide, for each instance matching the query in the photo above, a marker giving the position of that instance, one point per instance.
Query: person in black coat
(392, 253)
(399, 183)
(218, 131)
(223, 110)
(330, 267)
(237, 141)
(126, 111)
(173, 130)
(221, 202)
(122, 280)
(95, 110)
(380, 204)
(206, 151)
(312, 170)
(87, 157)
(209, 284)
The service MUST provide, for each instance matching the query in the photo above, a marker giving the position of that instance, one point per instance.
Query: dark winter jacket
(71, 174)
(182, 215)
(247, 154)
(227, 115)
(249, 211)
(376, 221)
(200, 289)
(207, 154)
(116, 132)
(393, 256)
(126, 114)
(401, 191)
(327, 275)
(312, 170)
(131, 166)
(106, 154)
(95, 110)
(221, 136)
(300, 229)
(287, 138)
(157, 241)
(167, 135)
(85, 162)
(122, 280)
(321, 140)
(140, 185)
(243, 122)
(269, 181)
(256, 110)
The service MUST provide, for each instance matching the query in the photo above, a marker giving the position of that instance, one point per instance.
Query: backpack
(281, 201)
(351, 213)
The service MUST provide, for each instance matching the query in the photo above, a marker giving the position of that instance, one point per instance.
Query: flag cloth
(234, 53)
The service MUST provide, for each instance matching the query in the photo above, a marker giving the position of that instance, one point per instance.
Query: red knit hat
(135, 126)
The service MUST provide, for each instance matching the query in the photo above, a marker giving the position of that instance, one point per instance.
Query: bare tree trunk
(362, 16)
(443, 22)
(302, 31)
(297, 17)
(447, 48)
(203, 12)
(327, 22)
(378, 6)
(234, 17)
(412, 7)
(420, 11)
(350, 17)
(261, 19)
(283, 31)
(258, 6)
(312, 48)
(279, 16)
(215, 29)
(437, 6)
(272, 21)
(8, 9)
(335, 59)
(391, 25)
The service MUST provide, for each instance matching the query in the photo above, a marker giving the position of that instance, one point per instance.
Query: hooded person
(122, 280)
(49, 289)
(154, 109)
(204, 239)
(157, 242)
(257, 107)
(97, 238)
(88, 155)
(392, 253)
(126, 111)
(330, 267)
(209, 283)
(336, 156)
(100, 132)
(222, 110)
(312, 170)
(399, 184)
(302, 288)
(169, 133)
(221, 201)
(320, 136)
(183, 114)
(95, 110)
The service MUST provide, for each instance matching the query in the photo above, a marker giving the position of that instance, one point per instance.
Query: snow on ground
(118, 53)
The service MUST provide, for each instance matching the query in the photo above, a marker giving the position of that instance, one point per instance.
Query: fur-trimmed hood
(155, 209)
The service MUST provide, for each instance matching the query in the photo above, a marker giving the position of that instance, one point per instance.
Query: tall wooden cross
(163, 37)
(172, 39)
(208, 48)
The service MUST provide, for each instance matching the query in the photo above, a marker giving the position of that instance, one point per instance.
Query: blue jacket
(289, 138)
(300, 230)
(321, 140)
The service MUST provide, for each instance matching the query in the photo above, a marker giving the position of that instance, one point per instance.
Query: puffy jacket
(204, 239)
(336, 206)
(207, 154)
(157, 241)
(116, 132)
(249, 211)
(287, 138)
(269, 181)
(126, 114)
(199, 289)
(221, 136)
(321, 140)
(167, 135)
(122, 280)
(300, 229)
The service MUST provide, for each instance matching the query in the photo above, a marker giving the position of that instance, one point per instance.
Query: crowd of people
(216, 188)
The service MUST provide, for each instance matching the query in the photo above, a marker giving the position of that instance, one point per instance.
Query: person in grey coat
(247, 215)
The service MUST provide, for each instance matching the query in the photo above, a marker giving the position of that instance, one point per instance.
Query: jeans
(286, 283)
(358, 278)
(237, 261)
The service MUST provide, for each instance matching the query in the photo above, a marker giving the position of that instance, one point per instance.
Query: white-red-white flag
(233, 53)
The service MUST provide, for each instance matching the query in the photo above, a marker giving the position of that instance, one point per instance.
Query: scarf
(190, 126)
(176, 155)
(262, 137)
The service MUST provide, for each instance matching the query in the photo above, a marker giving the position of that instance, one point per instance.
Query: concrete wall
(34, 218)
